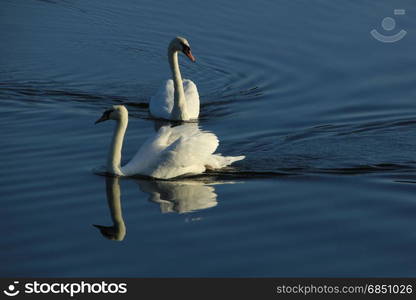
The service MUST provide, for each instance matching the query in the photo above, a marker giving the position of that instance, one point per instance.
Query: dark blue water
(324, 113)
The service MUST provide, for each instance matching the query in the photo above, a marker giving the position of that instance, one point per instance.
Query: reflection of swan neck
(114, 156)
(179, 103)
(113, 196)
(118, 230)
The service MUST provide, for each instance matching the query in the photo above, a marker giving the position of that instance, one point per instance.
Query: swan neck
(179, 103)
(114, 156)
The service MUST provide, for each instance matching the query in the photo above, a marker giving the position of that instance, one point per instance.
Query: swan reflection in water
(182, 196)
(179, 196)
(118, 230)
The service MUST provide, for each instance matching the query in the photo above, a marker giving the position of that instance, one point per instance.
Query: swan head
(181, 44)
(116, 112)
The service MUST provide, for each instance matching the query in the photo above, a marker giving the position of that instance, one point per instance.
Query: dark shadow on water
(364, 169)
(239, 173)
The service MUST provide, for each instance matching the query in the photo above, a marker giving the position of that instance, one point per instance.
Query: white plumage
(177, 151)
(172, 152)
(161, 104)
(177, 99)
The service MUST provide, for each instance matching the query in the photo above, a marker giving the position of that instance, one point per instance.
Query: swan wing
(193, 154)
(192, 98)
(147, 156)
(161, 103)
(177, 151)
(187, 151)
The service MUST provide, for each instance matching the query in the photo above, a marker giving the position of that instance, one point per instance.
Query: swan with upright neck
(172, 152)
(178, 98)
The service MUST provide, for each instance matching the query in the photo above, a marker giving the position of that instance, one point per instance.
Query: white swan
(172, 152)
(177, 99)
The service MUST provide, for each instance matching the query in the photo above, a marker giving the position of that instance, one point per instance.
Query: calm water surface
(324, 113)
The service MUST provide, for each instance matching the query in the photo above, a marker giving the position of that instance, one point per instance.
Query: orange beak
(190, 56)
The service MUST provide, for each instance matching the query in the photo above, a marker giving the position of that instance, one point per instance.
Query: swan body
(178, 98)
(172, 152)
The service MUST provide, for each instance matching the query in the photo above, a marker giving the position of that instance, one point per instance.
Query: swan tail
(217, 161)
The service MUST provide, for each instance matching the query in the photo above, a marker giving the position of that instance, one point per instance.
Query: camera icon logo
(389, 24)
(11, 290)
